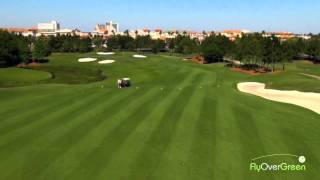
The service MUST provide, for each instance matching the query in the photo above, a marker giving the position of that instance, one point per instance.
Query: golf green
(179, 120)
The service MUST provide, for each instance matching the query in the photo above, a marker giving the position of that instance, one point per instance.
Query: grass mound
(19, 76)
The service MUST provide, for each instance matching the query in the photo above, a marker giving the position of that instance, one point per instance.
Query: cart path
(310, 75)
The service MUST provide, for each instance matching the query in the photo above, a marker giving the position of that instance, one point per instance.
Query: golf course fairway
(179, 121)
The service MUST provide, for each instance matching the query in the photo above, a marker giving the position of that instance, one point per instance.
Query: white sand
(105, 53)
(139, 56)
(307, 100)
(106, 61)
(87, 59)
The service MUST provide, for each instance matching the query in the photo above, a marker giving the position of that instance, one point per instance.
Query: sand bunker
(105, 53)
(87, 59)
(308, 100)
(139, 56)
(106, 61)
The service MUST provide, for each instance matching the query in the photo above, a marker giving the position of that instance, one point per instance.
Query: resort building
(52, 29)
(234, 34)
(48, 29)
(107, 29)
(22, 31)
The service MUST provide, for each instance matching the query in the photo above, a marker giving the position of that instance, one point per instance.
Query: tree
(250, 50)
(171, 45)
(126, 32)
(98, 42)
(143, 42)
(158, 45)
(41, 48)
(214, 48)
(85, 45)
(13, 49)
(287, 53)
(186, 45)
(313, 47)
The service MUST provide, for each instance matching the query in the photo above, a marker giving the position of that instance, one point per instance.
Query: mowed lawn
(179, 121)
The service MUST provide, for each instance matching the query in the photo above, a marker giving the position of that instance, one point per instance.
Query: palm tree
(126, 32)
(184, 33)
(204, 33)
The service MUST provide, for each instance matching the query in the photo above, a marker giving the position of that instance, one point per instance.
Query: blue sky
(255, 15)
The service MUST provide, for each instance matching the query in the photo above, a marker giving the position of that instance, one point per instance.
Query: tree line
(254, 51)
(16, 49)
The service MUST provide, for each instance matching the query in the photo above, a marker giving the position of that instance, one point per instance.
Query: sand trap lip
(307, 100)
(105, 53)
(139, 56)
(106, 61)
(87, 59)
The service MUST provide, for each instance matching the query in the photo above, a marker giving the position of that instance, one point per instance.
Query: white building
(48, 29)
(52, 29)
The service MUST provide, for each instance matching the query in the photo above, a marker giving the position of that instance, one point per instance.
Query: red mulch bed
(199, 59)
(250, 72)
(253, 72)
(29, 65)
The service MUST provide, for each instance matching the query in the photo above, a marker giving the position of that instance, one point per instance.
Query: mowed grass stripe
(115, 139)
(248, 140)
(74, 129)
(38, 135)
(110, 138)
(204, 142)
(17, 106)
(175, 158)
(272, 115)
(303, 144)
(37, 112)
(225, 135)
(50, 115)
(154, 133)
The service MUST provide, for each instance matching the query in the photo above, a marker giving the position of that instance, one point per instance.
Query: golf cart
(124, 83)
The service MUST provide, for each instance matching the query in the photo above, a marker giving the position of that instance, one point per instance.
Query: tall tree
(41, 48)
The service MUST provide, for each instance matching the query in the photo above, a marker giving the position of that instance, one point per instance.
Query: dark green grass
(180, 120)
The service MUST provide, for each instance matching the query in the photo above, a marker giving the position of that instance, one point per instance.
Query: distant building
(48, 29)
(234, 34)
(303, 36)
(22, 31)
(77, 32)
(52, 29)
(281, 35)
(107, 29)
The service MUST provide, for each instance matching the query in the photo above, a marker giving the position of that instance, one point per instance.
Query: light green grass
(198, 127)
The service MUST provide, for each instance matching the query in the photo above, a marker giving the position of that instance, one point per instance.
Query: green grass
(19, 76)
(198, 127)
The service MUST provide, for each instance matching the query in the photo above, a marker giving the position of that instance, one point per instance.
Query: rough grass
(197, 127)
